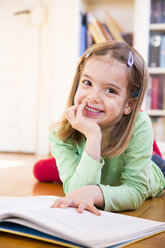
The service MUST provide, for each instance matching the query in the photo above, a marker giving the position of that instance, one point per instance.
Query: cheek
(78, 97)
(115, 108)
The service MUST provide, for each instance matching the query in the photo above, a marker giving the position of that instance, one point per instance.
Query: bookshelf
(117, 8)
(116, 16)
(157, 26)
(155, 99)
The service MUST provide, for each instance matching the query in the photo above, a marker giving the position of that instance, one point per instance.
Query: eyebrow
(108, 84)
(86, 75)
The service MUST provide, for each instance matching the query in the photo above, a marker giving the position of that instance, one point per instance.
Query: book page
(26, 203)
(86, 228)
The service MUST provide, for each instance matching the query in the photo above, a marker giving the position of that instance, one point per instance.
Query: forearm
(123, 197)
(98, 196)
(87, 172)
(76, 167)
(93, 147)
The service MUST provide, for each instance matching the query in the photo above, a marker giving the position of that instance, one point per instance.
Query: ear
(129, 106)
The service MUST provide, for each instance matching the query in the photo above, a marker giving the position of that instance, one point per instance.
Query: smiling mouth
(93, 110)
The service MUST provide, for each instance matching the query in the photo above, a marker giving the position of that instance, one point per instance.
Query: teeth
(93, 110)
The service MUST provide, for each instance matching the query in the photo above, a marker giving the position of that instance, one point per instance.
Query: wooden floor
(16, 179)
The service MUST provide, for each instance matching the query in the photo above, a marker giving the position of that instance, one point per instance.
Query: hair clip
(136, 94)
(89, 53)
(130, 59)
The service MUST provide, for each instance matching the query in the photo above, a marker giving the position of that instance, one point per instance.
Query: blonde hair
(137, 81)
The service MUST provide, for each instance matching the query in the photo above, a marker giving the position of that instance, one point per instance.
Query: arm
(137, 177)
(78, 165)
(89, 128)
(74, 164)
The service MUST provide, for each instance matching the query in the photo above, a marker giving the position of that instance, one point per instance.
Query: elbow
(137, 201)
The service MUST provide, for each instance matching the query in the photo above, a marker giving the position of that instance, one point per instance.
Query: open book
(33, 217)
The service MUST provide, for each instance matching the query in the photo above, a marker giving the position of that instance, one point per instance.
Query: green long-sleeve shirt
(126, 180)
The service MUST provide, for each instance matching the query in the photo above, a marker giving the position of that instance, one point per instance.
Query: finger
(70, 113)
(93, 210)
(57, 203)
(81, 207)
(67, 203)
(79, 112)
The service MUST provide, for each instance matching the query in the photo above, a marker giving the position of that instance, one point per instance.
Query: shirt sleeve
(137, 170)
(75, 169)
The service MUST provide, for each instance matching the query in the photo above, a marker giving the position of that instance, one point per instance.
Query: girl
(103, 146)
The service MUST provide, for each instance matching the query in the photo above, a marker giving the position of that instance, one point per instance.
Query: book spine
(152, 19)
(104, 31)
(107, 28)
(114, 28)
(94, 29)
(90, 40)
(83, 34)
(94, 33)
(164, 96)
(99, 32)
(155, 93)
(154, 49)
(163, 11)
(149, 95)
(162, 52)
(161, 92)
(158, 11)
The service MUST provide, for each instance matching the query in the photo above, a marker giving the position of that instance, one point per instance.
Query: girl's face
(103, 88)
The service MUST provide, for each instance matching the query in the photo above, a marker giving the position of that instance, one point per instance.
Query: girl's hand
(82, 198)
(88, 127)
(80, 122)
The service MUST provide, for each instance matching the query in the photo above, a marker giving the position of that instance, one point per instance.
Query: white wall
(64, 16)
(59, 57)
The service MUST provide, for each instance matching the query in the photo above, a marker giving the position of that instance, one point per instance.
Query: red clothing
(156, 149)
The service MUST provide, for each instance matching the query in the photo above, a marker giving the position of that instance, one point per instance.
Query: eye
(87, 82)
(110, 90)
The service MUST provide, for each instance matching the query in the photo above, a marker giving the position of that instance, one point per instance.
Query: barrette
(136, 94)
(89, 53)
(130, 59)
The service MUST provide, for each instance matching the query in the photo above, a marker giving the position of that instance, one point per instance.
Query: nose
(94, 96)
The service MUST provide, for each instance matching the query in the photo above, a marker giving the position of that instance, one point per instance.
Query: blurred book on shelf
(94, 30)
(162, 51)
(155, 97)
(105, 30)
(157, 13)
(155, 93)
(154, 49)
(161, 92)
(83, 34)
(113, 27)
(149, 94)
